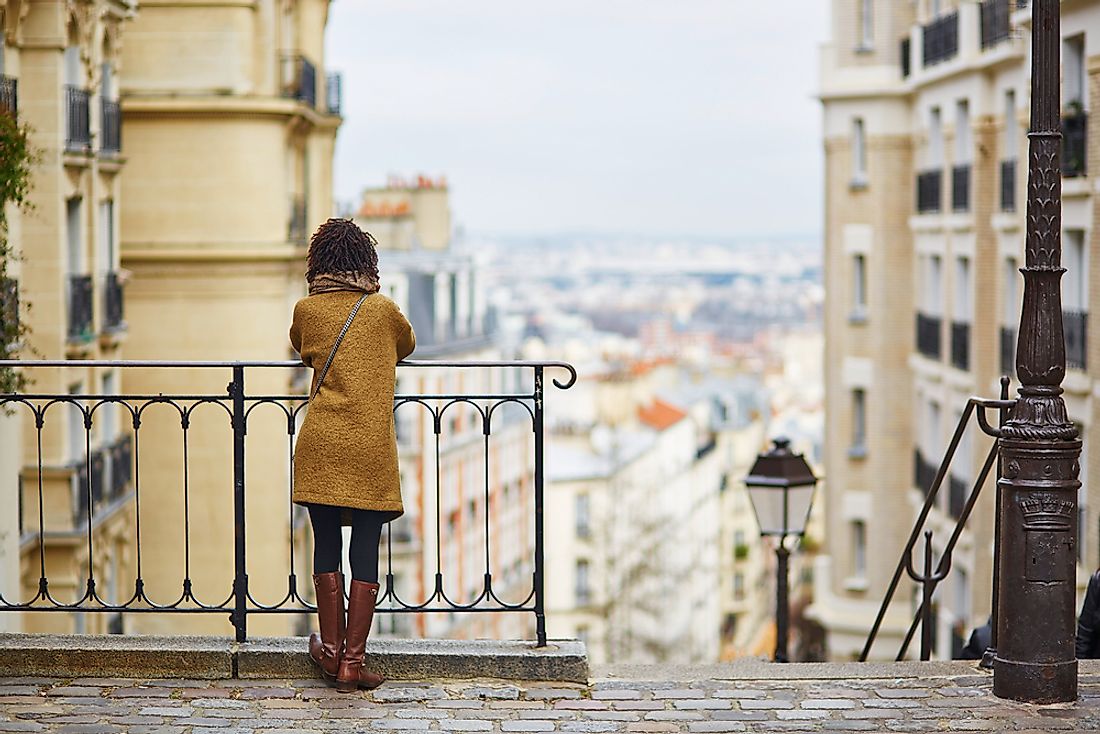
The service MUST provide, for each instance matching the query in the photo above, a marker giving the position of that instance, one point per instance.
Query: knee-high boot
(325, 648)
(352, 674)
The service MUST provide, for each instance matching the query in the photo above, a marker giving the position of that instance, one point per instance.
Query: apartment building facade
(926, 108)
(59, 63)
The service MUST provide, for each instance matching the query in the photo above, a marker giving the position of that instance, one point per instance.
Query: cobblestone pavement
(104, 706)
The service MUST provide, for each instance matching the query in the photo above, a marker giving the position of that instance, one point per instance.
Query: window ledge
(858, 317)
(858, 183)
(857, 452)
(856, 583)
(864, 48)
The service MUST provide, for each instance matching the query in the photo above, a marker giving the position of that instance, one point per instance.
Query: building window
(962, 132)
(1012, 291)
(859, 549)
(584, 529)
(1011, 130)
(1075, 281)
(962, 596)
(859, 422)
(859, 153)
(962, 307)
(738, 586)
(859, 287)
(582, 589)
(1073, 72)
(866, 24)
(73, 235)
(932, 292)
(935, 139)
(1082, 497)
(582, 632)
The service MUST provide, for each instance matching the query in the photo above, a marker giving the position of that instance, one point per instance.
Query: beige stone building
(926, 107)
(60, 62)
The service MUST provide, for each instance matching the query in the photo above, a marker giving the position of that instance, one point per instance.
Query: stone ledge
(124, 656)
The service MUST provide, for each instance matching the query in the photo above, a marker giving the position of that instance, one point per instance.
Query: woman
(1088, 624)
(345, 460)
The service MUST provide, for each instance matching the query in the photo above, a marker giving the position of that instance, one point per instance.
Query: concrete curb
(123, 656)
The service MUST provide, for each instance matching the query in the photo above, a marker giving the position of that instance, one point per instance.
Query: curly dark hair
(339, 246)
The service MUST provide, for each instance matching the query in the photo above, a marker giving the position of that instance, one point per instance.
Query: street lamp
(781, 489)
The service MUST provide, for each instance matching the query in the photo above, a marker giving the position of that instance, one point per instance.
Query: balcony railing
(960, 188)
(78, 133)
(112, 302)
(941, 39)
(297, 227)
(300, 79)
(929, 191)
(334, 93)
(111, 126)
(929, 340)
(80, 307)
(1008, 185)
(1075, 145)
(254, 414)
(996, 21)
(1075, 325)
(1008, 350)
(9, 96)
(904, 53)
(960, 345)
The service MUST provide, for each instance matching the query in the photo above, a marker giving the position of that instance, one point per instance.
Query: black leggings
(328, 540)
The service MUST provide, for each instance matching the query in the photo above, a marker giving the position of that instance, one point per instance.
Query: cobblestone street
(948, 703)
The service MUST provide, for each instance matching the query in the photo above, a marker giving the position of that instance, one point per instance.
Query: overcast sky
(671, 117)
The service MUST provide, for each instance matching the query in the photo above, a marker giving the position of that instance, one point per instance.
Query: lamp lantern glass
(781, 489)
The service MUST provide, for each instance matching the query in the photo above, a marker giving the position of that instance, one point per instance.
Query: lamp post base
(1035, 682)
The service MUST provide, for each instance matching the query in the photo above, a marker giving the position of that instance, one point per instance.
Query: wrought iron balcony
(1008, 185)
(334, 93)
(929, 340)
(960, 345)
(941, 39)
(9, 95)
(1075, 326)
(1075, 144)
(297, 228)
(996, 21)
(299, 79)
(112, 302)
(80, 307)
(105, 474)
(905, 56)
(1008, 350)
(929, 191)
(110, 127)
(78, 134)
(960, 188)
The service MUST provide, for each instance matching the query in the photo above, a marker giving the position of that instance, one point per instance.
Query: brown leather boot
(351, 674)
(325, 649)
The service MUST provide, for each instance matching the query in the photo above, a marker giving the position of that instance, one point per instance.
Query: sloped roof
(660, 415)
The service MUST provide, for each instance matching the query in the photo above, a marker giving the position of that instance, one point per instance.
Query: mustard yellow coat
(346, 453)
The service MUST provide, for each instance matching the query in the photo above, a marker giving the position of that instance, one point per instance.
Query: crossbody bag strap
(339, 338)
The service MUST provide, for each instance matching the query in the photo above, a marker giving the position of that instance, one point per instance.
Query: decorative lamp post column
(781, 489)
(1040, 450)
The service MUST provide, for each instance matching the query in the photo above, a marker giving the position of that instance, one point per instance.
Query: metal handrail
(977, 407)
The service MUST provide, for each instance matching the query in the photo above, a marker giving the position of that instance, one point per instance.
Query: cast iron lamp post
(781, 489)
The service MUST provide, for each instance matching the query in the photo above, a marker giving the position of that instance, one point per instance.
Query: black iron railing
(300, 79)
(960, 188)
(112, 302)
(929, 188)
(929, 339)
(1008, 350)
(80, 307)
(1075, 144)
(118, 470)
(1075, 326)
(932, 574)
(78, 132)
(996, 21)
(9, 95)
(941, 39)
(334, 92)
(111, 126)
(960, 344)
(1008, 185)
(904, 53)
(297, 227)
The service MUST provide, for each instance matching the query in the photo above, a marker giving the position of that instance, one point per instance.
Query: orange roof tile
(660, 415)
